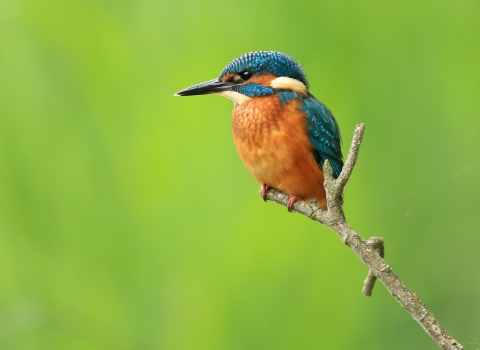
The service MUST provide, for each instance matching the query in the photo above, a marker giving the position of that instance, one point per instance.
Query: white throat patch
(236, 97)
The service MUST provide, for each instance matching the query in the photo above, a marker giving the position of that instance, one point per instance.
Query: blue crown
(267, 62)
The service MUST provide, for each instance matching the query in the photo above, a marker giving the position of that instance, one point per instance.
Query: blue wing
(324, 134)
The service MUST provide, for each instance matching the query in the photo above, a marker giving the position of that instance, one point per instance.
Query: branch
(369, 252)
(377, 244)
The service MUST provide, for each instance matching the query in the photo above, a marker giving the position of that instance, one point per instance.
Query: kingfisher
(281, 131)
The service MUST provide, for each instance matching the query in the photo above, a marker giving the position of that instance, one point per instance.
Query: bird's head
(254, 74)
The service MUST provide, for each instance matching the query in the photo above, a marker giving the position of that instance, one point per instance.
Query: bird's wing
(324, 134)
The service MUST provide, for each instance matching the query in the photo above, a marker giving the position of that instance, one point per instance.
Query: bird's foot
(263, 191)
(291, 202)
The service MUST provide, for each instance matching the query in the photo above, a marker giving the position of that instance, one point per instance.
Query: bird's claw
(263, 191)
(291, 202)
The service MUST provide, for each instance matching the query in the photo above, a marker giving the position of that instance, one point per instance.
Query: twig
(367, 252)
(377, 244)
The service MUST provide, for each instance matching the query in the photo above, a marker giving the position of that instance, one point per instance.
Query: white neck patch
(289, 84)
(278, 83)
(236, 97)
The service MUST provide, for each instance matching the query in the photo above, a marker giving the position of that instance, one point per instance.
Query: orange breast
(271, 138)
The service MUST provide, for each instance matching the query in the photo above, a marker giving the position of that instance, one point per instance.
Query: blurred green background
(127, 220)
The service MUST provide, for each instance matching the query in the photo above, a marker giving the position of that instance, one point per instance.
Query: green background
(127, 220)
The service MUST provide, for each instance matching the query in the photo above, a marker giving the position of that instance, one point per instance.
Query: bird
(281, 131)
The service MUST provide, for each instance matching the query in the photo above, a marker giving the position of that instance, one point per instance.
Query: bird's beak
(209, 87)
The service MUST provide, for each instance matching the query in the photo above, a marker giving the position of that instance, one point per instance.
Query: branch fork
(370, 252)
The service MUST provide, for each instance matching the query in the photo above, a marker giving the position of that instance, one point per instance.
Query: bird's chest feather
(271, 137)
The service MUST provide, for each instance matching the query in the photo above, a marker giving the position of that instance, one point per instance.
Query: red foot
(263, 191)
(291, 202)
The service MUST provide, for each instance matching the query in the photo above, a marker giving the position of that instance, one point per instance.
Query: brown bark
(369, 252)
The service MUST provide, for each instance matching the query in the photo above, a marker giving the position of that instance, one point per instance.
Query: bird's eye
(246, 75)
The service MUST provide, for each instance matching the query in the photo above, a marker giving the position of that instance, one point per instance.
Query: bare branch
(369, 252)
(377, 244)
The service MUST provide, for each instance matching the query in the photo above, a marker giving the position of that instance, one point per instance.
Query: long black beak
(209, 87)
